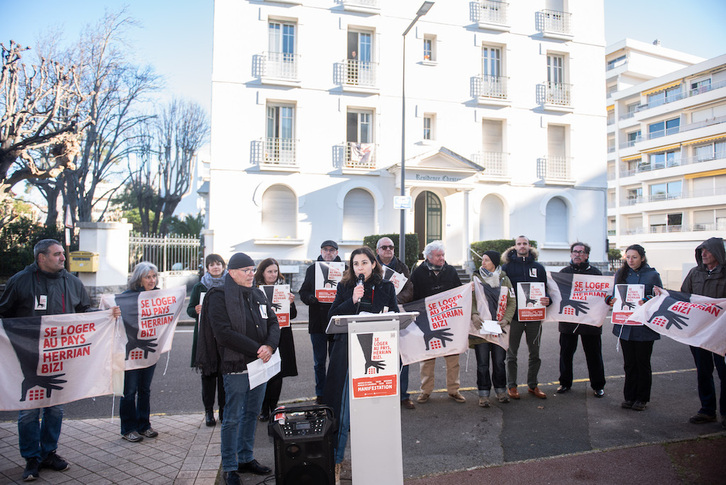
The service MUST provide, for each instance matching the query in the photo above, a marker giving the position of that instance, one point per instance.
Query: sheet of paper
(260, 372)
(490, 327)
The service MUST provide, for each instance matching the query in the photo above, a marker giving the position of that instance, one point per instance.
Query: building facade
(666, 154)
(504, 130)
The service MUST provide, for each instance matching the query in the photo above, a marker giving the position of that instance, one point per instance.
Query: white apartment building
(666, 153)
(504, 130)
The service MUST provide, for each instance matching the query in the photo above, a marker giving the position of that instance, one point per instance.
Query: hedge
(499, 245)
(411, 245)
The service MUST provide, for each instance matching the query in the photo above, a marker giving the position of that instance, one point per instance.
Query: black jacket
(426, 282)
(700, 280)
(523, 269)
(406, 293)
(568, 327)
(649, 277)
(318, 312)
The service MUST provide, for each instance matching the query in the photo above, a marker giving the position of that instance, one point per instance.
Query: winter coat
(523, 269)
(318, 312)
(700, 280)
(493, 305)
(426, 282)
(645, 275)
(569, 327)
(406, 293)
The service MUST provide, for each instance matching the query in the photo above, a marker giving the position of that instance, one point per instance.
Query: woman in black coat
(362, 289)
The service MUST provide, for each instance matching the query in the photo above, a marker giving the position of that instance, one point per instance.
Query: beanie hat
(494, 256)
(240, 260)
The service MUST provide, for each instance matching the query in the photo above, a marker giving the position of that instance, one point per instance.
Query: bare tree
(164, 172)
(39, 110)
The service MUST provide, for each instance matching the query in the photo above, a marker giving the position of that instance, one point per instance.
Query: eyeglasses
(246, 270)
(387, 248)
(577, 251)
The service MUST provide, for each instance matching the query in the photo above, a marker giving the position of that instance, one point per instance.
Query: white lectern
(373, 383)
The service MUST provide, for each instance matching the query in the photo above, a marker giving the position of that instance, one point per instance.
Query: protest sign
(327, 276)
(578, 298)
(374, 364)
(626, 300)
(279, 298)
(529, 307)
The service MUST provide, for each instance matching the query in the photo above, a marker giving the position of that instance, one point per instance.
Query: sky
(175, 36)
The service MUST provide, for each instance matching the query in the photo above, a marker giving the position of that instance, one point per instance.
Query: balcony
(494, 163)
(554, 170)
(490, 90)
(684, 194)
(555, 96)
(360, 156)
(490, 14)
(554, 24)
(357, 76)
(661, 133)
(682, 95)
(361, 6)
(276, 68)
(275, 153)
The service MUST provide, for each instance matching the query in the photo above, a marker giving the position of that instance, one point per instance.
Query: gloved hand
(476, 321)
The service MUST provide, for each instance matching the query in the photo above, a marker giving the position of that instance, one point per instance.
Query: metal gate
(168, 253)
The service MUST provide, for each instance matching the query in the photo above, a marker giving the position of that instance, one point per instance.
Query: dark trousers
(592, 345)
(483, 351)
(705, 362)
(212, 385)
(135, 405)
(272, 395)
(638, 374)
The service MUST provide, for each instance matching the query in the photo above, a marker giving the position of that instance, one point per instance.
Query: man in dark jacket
(43, 288)
(318, 318)
(521, 266)
(708, 278)
(590, 335)
(434, 276)
(245, 329)
(385, 251)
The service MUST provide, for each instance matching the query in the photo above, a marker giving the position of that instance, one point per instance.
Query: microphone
(361, 279)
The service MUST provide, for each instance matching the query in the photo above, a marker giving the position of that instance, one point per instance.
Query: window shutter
(358, 215)
(279, 213)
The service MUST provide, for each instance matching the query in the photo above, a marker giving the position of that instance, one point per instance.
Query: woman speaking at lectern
(362, 289)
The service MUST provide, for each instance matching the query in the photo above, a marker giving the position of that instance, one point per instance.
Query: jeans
(592, 345)
(344, 425)
(482, 352)
(135, 406)
(322, 347)
(240, 420)
(38, 439)
(705, 362)
(638, 373)
(533, 331)
(404, 380)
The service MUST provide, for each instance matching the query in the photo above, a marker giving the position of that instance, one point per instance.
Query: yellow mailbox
(84, 262)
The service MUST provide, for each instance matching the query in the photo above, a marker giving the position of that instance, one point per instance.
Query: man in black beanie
(245, 329)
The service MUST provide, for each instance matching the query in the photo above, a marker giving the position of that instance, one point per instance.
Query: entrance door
(427, 218)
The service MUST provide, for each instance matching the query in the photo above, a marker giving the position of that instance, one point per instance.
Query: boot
(221, 413)
(209, 418)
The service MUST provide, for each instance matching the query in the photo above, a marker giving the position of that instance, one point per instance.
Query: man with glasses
(385, 249)
(318, 318)
(590, 335)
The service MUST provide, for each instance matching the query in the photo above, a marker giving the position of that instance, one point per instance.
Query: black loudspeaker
(303, 437)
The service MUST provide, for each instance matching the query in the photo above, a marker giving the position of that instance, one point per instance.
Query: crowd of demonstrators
(492, 278)
(520, 264)
(211, 383)
(362, 289)
(268, 273)
(708, 278)
(431, 277)
(386, 257)
(589, 334)
(318, 317)
(636, 341)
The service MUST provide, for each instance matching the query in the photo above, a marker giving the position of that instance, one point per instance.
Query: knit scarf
(433, 267)
(491, 278)
(210, 281)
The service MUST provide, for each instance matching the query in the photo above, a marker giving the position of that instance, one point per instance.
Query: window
(665, 190)
(633, 137)
(666, 96)
(634, 195)
(493, 148)
(358, 215)
(492, 83)
(556, 215)
(666, 222)
(711, 151)
(663, 128)
(359, 135)
(491, 61)
(281, 56)
(632, 108)
(700, 86)
(360, 69)
(709, 220)
(557, 91)
(708, 186)
(665, 159)
(618, 61)
(555, 69)
(634, 224)
(279, 213)
(280, 134)
(429, 48)
(429, 125)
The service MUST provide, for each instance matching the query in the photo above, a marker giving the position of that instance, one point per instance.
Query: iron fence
(168, 253)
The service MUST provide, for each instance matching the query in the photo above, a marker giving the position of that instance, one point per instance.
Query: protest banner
(693, 320)
(529, 307)
(485, 295)
(442, 327)
(398, 279)
(374, 364)
(626, 300)
(279, 298)
(327, 276)
(55, 359)
(149, 320)
(578, 298)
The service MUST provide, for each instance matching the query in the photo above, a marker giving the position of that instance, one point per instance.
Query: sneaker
(32, 470)
(502, 397)
(599, 392)
(150, 433)
(423, 397)
(133, 437)
(627, 405)
(639, 406)
(231, 478)
(700, 418)
(484, 401)
(457, 397)
(54, 462)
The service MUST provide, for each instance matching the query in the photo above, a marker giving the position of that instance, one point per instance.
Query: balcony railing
(280, 151)
(553, 168)
(683, 94)
(278, 65)
(360, 155)
(360, 73)
(494, 163)
(558, 94)
(685, 194)
(494, 87)
(554, 21)
(661, 133)
(489, 12)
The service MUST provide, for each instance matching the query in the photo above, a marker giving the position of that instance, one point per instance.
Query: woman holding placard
(268, 274)
(637, 340)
